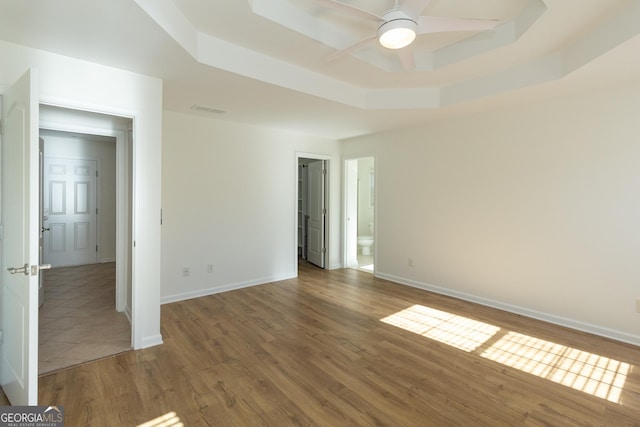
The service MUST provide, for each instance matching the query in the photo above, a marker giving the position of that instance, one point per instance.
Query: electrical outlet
(209, 268)
(410, 262)
(185, 271)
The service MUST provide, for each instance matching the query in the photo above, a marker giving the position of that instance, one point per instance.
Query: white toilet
(366, 241)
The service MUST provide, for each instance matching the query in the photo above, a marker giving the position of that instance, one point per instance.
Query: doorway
(360, 213)
(79, 198)
(86, 226)
(311, 209)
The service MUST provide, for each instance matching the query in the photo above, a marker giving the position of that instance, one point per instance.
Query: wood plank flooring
(342, 348)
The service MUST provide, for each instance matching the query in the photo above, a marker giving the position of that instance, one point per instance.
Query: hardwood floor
(343, 348)
(78, 321)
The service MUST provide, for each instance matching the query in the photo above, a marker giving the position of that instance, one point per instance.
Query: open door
(42, 218)
(317, 213)
(20, 221)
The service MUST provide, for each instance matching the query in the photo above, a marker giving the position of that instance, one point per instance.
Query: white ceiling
(264, 62)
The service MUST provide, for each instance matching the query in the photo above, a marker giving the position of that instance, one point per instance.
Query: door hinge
(96, 211)
(324, 211)
(1, 127)
(324, 171)
(96, 248)
(1, 336)
(324, 250)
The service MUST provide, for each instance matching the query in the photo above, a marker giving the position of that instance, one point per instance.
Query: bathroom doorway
(360, 213)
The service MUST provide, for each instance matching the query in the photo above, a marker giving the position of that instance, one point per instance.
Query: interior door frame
(347, 192)
(124, 212)
(350, 252)
(327, 223)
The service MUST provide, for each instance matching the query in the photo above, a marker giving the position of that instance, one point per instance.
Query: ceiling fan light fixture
(397, 33)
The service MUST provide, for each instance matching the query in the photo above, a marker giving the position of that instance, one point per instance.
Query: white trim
(150, 341)
(219, 289)
(73, 104)
(127, 312)
(345, 215)
(315, 156)
(336, 266)
(534, 314)
(124, 221)
(124, 186)
(327, 191)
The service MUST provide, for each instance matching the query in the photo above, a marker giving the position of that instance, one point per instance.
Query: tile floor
(365, 263)
(78, 320)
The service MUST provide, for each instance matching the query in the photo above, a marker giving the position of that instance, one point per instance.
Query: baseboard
(225, 288)
(546, 317)
(110, 259)
(127, 312)
(150, 341)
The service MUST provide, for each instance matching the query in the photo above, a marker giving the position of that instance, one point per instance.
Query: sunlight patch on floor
(458, 331)
(588, 372)
(170, 419)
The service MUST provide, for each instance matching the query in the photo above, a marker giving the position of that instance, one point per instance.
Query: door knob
(45, 229)
(36, 268)
(15, 270)
(26, 270)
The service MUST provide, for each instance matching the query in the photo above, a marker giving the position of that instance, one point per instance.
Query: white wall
(103, 151)
(229, 199)
(365, 207)
(83, 85)
(535, 209)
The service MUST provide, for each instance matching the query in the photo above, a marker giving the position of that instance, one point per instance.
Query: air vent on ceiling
(207, 109)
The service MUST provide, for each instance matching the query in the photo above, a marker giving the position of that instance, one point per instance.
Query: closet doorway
(311, 196)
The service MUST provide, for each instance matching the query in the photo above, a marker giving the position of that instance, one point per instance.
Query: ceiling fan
(398, 27)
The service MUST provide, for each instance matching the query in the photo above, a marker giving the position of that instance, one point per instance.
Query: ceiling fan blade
(414, 8)
(340, 53)
(349, 10)
(407, 59)
(440, 24)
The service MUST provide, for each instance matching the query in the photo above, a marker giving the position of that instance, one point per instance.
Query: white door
(20, 221)
(41, 225)
(317, 213)
(70, 215)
